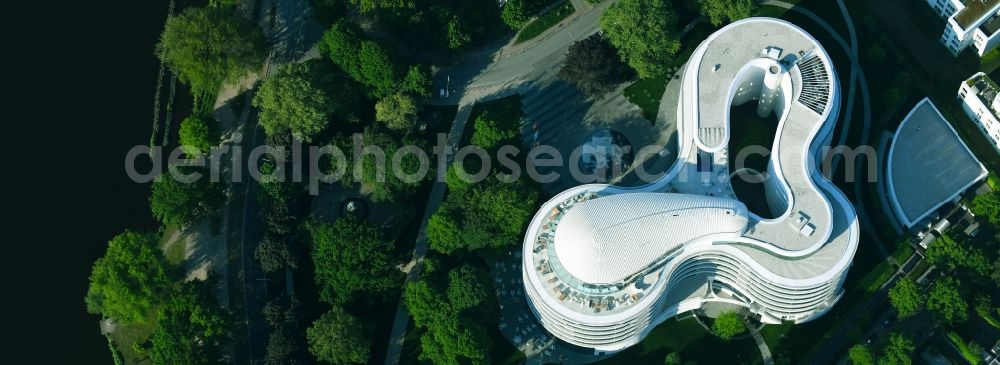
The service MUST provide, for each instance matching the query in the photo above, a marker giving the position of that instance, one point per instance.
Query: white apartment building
(969, 22)
(979, 96)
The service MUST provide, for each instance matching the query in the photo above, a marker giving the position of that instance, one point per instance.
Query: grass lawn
(971, 356)
(993, 181)
(545, 21)
(692, 341)
(990, 318)
(875, 278)
(902, 253)
(990, 61)
(125, 335)
(647, 94)
(775, 332)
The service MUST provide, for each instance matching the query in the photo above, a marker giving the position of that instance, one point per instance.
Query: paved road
(517, 63)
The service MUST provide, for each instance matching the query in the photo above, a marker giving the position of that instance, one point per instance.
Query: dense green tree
(860, 355)
(191, 325)
(905, 297)
(300, 98)
(127, 282)
(274, 187)
(341, 43)
(456, 184)
(416, 81)
(280, 311)
(898, 351)
(672, 358)
(644, 33)
(977, 263)
(723, 11)
(995, 273)
(987, 207)
(282, 345)
(593, 65)
(516, 13)
(285, 342)
(377, 69)
(425, 303)
(198, 135)
(275, 254)
(370, 63)
(222, 3)
(351, 258)
(949, 252)
(443, 231)
(945, 302)
(370, 5)
(180, 203)
(492, 130)
(452, 337)
(984, 306)
(279, 220)
(456, 341)
(728, 324)
(384, 182)
(466, 287)
(398, 111)
(490, 214)
(458, 36)
(946, 251)
(209, 45)
(496, 214)
(339, 338)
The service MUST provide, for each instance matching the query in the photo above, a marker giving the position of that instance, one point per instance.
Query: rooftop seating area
(584, 297)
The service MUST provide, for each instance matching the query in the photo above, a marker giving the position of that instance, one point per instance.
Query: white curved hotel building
(603, 265)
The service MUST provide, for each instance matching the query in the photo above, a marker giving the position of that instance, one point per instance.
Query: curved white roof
(604, 263)
(608, 239)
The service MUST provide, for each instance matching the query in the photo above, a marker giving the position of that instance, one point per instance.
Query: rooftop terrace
(974, 10)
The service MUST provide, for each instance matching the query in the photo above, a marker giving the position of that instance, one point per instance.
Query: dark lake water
(78, 80)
